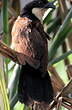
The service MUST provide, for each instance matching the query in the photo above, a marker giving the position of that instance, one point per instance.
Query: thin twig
(55, 101)
(8, 52)
(69, 107)
(59, 103)
(68, 100)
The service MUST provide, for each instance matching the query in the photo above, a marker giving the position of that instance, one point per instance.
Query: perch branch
(8, 52)
(64, 93)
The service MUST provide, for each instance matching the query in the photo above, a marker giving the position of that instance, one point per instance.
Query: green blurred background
(58, 24)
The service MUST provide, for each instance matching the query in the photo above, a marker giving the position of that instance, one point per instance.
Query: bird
(31, 42)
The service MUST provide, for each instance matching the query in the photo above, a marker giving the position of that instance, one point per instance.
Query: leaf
(62, 33)
(4, 104)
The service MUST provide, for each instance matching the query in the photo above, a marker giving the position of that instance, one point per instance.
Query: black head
(44, 4)
(41, 4)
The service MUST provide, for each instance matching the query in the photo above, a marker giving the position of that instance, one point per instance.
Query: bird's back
(29, 39)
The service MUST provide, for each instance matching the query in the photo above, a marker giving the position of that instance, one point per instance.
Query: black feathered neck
(27, 12)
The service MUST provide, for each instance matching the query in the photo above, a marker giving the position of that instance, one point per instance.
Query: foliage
(58, 24)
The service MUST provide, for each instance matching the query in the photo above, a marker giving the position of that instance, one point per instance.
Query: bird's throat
(38, 13)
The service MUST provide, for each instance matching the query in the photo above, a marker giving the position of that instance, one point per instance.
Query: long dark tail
(32, 87)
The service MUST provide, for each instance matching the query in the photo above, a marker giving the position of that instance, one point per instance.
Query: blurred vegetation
(58, 24)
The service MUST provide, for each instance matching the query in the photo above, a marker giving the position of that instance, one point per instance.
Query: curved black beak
(49, 5)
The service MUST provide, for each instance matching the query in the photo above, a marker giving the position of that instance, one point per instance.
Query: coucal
(30, 40)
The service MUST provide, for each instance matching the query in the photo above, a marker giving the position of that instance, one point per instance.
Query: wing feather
(28, 41)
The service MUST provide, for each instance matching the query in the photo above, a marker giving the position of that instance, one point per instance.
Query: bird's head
(37, 7)
(41, 4)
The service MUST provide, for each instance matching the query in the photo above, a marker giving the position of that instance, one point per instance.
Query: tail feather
(32, 87)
